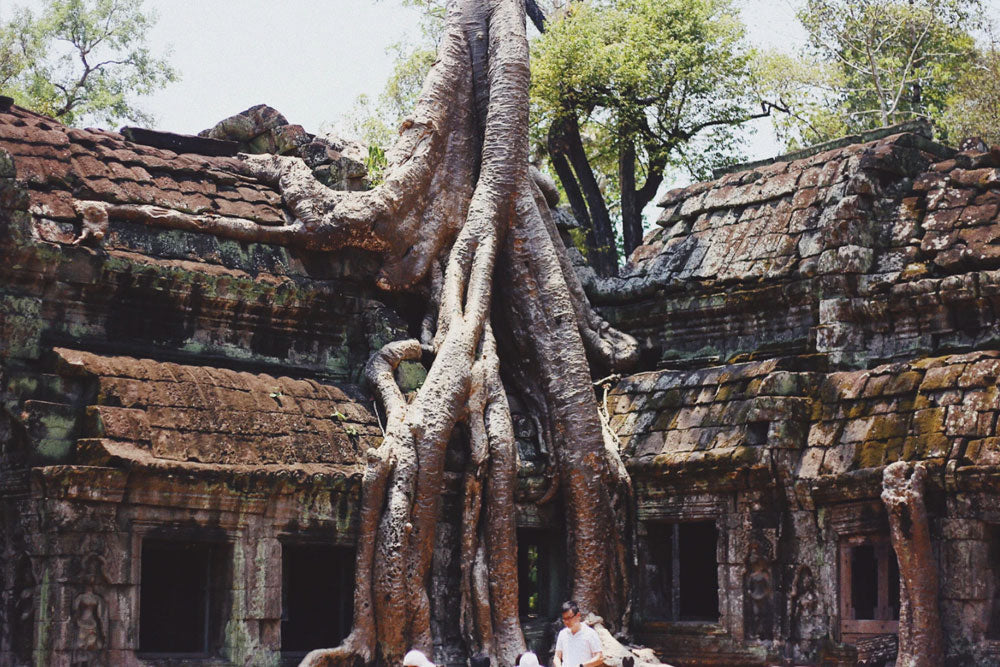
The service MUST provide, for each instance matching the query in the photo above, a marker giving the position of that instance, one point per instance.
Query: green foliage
(973, 108)
(870, 63)
(376, 122)
(810, 90)
(376, 163)
(665, 75)
(579, 239)
(82, 60)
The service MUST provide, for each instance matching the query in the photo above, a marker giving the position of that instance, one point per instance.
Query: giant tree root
(459, 213)
(921, 643)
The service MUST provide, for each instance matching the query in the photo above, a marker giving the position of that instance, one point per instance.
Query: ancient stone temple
(185, 420)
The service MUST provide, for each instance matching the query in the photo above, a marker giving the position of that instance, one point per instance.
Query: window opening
(181, 598)
(532, 598)
(864, 581)
(869, 587)
(317, 595)
(539, 570)
(680, 572)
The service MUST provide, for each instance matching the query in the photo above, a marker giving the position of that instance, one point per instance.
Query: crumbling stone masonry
(184, 424)
(810, 322)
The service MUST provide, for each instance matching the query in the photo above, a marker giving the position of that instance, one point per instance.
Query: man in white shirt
(577, 644)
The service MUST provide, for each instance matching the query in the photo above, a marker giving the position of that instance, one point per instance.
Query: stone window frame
(169, 529)
(854, 523)
(883, 547)
(687, 508)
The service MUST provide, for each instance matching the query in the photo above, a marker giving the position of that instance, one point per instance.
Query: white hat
(416, 659)
(528, 659)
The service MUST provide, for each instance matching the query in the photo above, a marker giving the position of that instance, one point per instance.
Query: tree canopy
(82, 60)
(627, 90)
(870, 63)
(662, 84)
(973, 106)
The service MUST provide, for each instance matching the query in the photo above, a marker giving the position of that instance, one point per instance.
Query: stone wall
(803, 323)
(813, 320)
(161, 385)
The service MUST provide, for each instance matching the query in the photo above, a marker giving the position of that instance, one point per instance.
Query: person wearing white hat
(416, 659)
(527, 659)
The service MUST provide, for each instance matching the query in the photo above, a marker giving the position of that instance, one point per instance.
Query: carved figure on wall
(22, 620)
(760, 593)
(804, 604)
(90, 612)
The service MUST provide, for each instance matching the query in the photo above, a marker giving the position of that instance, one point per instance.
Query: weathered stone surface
(804, 323)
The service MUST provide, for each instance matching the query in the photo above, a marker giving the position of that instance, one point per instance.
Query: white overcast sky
(311, 59)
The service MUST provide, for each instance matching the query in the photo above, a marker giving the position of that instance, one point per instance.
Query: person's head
(416, 659)
(527, 659)
(570, 612)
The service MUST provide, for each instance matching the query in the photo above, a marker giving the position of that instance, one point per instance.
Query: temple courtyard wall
(185, 420)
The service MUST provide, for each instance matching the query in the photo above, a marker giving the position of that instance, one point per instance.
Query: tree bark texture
(920, 638)
(631, 207)
(462, 220)
(582, 189)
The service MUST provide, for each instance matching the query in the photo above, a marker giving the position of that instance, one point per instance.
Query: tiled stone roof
(145, 287)
(807, 217)
(961, 197)
(722, 418)
(62, 165)
(939, 409)
(200, 414)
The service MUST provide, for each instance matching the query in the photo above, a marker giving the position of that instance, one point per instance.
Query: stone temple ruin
(184, 421)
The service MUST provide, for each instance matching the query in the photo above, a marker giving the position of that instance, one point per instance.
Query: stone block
(838, 459)
(926, 446)
(962, 421)
(781, 383)
(856, 430)
(980, 374)
(846, 259)
(982, 400)
(786, 434)
(930, 420)
(270, 634)
(871, 454)
(824, 434)
(903, 383)
(941, 377)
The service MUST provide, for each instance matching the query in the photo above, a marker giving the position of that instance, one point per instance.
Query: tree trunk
(631, 208)
(457, 196)
(577, 203)
(564, 139)
(920, 639)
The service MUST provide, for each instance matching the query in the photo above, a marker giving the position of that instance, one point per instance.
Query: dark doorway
(316, 597)
(183, 586)
(679, 572)
(698, 579)
(874, 581)
(540, 570)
